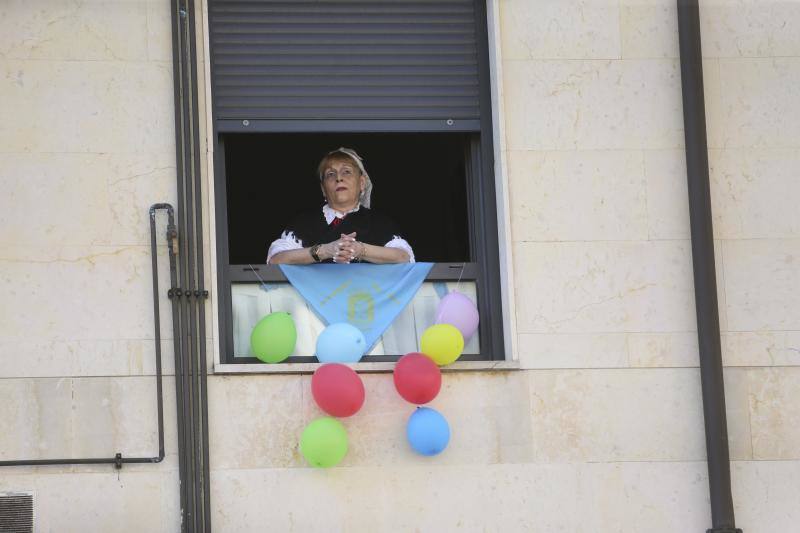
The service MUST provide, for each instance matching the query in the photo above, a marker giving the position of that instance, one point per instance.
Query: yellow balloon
(443, 343)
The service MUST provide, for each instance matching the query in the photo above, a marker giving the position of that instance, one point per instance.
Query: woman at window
(345, 230)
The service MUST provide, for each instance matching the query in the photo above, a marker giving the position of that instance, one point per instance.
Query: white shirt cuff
(402, 244)
(287, 241)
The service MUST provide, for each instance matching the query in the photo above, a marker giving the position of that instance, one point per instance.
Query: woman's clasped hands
(346, 249)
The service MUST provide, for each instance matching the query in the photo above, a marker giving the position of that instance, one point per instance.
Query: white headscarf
(365, 196)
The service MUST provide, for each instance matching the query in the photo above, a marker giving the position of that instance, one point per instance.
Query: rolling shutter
(337, 60)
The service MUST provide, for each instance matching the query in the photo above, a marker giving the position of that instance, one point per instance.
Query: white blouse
(288, 241)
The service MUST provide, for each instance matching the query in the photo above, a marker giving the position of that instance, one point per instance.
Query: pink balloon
(459, 311)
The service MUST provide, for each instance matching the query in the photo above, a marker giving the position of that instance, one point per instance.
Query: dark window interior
(418, 179)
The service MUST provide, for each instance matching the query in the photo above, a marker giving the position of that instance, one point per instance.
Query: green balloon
(274, 337)
(324, 442)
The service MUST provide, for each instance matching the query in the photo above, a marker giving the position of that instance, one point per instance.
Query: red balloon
(337, 389)
(417, 378)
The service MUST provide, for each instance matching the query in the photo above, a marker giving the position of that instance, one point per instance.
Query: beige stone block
(793, 347)
(102, 502)
(134, 184)
(649, 29)
(750, 28)
(86, 106)
(36, 418)
(761, 348)
(573, 350)
(617, 415)
(722, 296)
(765, 495)
(55, 29)
(79, 293)
(529, 497)
(63, 418)
(715, 113)
(20, 358)
(159, 30)
(57, 358)
(759, 102)
(256, 421)
(240, 505)
(115, 415)
(65, 194)
(762, 284)
(569, 29)
(754, 193)
(142, 357)
(644, 496)
(577, 195)
(668, 197)
(487, 413)
(83, 199)
(678, 349)
(774, 412)
(422, 498)
(376, 434)
(593, 105)
(737, 408)
(667, 194)
(604, 287)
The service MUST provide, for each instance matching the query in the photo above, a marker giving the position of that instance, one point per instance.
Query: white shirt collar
(330, 213)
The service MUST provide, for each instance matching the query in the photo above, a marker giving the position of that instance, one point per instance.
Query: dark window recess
(418, 179)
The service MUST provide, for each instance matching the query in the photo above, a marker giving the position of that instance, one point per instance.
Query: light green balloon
(274, 337)
(324, 442)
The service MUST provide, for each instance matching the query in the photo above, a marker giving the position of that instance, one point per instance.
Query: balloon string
(255, 271)
(459, 276)
(458, 283)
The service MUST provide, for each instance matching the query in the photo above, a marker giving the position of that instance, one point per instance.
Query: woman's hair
(348, 155)
(336, 157)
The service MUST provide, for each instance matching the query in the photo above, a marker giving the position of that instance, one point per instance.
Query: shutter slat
(345, 101)
(311, 61)
(267, 82)
(258, 49)
(345, 21)
(344, 59)
(351, 113)
(348, 90)
(336, 5)
(405, 40)
(300, 71)
(328, 29)
(316, 8)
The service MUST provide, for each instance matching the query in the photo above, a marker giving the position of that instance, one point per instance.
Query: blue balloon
(428, 432)
(340, 343)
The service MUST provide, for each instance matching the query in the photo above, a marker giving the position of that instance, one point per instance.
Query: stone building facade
(594, 424)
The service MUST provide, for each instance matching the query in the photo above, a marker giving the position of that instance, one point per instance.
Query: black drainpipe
(188, 298)
(705, 280)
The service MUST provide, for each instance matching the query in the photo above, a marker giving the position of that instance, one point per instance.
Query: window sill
(381, 367)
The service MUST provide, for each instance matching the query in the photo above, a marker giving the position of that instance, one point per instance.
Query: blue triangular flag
(367, 296)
